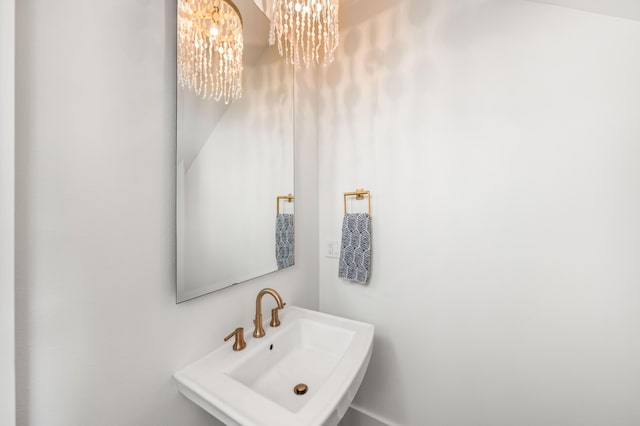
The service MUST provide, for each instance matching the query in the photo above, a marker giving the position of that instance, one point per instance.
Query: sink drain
(300, 389)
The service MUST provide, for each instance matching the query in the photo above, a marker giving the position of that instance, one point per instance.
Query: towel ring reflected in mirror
(287, 197)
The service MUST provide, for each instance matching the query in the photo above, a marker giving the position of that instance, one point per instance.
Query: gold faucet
(239, 344)
(259, 330)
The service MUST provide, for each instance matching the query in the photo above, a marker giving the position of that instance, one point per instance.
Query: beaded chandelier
(306, 30)
(210, 48)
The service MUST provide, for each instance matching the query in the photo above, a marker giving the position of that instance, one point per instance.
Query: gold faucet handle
(239, 344)
(275, 321)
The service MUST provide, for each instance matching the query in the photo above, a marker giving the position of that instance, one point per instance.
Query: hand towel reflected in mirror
(285, 250)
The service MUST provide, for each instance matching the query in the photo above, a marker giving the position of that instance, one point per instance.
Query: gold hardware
(275, 321)
(359, 194)
(239, 344)
(259, 330)
(214, 14)
(300, 389)
(288, 197)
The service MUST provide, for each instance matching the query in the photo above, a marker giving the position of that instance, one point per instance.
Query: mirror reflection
(234, 171)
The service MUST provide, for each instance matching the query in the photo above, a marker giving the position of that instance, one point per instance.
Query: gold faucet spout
(259, 330)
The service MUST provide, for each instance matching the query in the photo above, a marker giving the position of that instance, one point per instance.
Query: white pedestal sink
(255, 386)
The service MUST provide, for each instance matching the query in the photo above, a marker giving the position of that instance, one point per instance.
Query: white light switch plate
(333, 249)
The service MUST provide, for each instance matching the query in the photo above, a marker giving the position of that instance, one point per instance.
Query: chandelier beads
(210, 46)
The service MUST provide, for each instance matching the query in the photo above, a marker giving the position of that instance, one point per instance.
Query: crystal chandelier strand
(210, 46)
(306, 31)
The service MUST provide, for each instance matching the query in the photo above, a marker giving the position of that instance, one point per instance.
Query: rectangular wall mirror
(233, 162)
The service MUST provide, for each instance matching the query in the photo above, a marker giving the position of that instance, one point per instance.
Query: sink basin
(255, 386)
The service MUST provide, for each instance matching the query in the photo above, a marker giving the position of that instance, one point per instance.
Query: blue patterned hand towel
(355, 254)
(285, 253)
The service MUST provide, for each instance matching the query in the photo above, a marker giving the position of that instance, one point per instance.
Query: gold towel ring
(359, 194)
(288, 197)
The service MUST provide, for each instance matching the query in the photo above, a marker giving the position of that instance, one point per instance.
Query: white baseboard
(359, 416)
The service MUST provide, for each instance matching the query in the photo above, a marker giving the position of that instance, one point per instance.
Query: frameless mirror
(233, 162)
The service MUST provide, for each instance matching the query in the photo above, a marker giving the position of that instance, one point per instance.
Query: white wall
(7, 204)
(629, 9)
(499, 140)
(98, 332)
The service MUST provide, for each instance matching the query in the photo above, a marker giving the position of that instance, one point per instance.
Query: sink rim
(229, 399)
